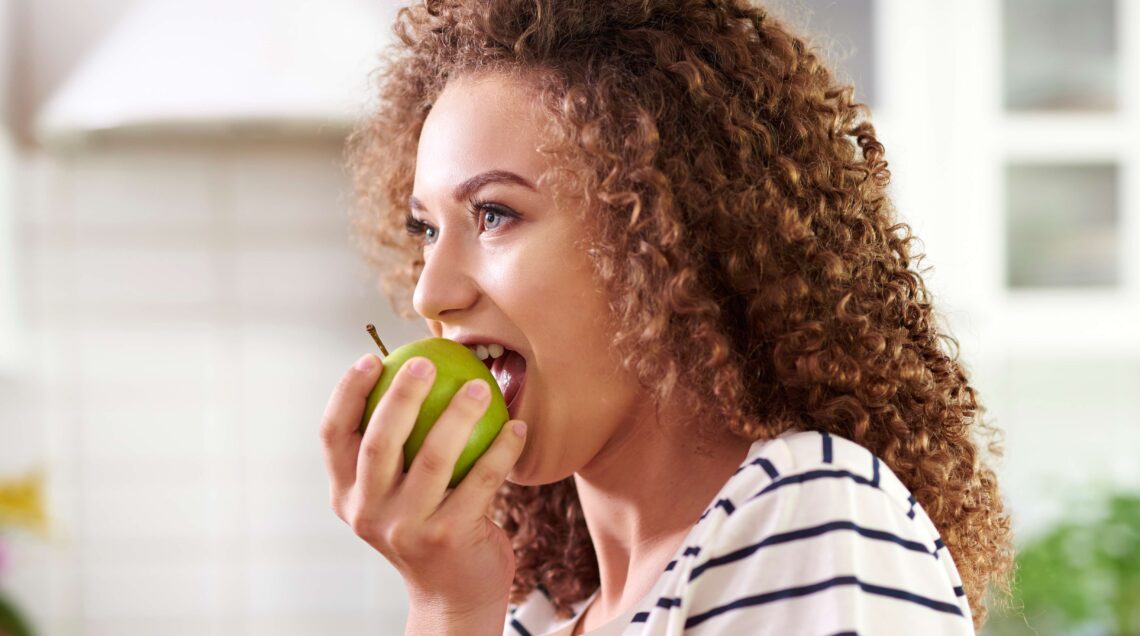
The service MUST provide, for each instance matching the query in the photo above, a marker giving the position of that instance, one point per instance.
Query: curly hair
(740, 225)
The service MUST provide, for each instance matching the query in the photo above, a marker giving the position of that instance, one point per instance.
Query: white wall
(185, 310)
(190, 309)
(9, 348)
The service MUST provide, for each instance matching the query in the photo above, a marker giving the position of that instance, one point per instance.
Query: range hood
(220, 67)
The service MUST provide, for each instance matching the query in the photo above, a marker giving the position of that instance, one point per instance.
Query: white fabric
(813, 535)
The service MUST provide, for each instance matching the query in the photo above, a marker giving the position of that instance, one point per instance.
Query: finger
(473, 497)
(339, 440)
(434, 464)
(382, 449)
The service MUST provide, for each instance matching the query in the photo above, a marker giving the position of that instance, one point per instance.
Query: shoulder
(811, 468)
(815, 525)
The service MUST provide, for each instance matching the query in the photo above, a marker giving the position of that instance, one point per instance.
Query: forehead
(490, 122)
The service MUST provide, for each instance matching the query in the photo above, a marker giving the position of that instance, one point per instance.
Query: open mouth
(509, 370)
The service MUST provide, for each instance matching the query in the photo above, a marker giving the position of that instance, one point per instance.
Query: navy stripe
(826, 447)
(874, 471)
(762, 463)
(846, 634)
(806, 533)
(959, 590)
(779, 595)
(640, 617)
(720, 503)
(910, 597)
(692, 551)
(668, 603)
(938, 545)
(767, 466)
(519, 628)
(810, 476)
(912, 501)
(672, 564)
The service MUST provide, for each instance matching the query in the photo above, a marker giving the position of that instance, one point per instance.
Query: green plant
(11, 622)
(1082, 575)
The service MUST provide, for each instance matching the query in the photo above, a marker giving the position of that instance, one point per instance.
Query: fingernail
(420, 367)
(478, 389)
(519, 428)
(367, 363)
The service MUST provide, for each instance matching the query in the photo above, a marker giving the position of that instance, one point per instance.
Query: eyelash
(478, 209)
(414, 226)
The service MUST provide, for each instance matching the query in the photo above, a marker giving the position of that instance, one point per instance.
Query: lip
(472, 340)
(516, 404)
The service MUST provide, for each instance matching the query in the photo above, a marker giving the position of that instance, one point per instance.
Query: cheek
(544, 288)
(549, 294)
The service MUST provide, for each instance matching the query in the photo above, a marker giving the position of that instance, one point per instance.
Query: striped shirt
(812, 535)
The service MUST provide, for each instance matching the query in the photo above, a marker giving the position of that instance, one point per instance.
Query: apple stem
(371, 328)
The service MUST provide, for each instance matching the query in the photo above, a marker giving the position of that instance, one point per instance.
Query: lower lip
(516, 404)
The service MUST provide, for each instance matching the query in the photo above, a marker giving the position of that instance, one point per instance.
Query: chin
(531, 483)
(512, 479)
(529, 476)
(531, 469)
(522, 475)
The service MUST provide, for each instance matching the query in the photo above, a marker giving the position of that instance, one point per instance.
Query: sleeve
(825, 550)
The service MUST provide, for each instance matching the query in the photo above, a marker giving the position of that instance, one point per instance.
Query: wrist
(437, 617)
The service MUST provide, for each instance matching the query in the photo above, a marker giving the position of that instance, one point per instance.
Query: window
(1062, 225)
(1059, 55)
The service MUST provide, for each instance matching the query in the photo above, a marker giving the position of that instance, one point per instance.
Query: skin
(526, 282)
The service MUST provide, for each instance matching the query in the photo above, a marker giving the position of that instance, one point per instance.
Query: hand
(451, 555)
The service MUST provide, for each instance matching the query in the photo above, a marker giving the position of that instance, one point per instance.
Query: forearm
(433, 619)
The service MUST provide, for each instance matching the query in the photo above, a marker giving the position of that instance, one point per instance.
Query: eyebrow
(469, 187)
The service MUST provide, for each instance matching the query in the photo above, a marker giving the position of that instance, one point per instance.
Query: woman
(736, 411)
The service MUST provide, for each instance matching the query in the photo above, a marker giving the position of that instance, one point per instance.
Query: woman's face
(504, 263)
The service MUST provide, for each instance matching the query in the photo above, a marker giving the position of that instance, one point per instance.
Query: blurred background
(179, 294)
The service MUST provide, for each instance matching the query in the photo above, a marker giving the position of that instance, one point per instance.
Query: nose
(445, 286)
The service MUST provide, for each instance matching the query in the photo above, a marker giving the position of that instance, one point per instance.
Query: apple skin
(455, 365)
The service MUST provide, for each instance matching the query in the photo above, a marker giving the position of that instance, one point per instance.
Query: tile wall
(187, 309)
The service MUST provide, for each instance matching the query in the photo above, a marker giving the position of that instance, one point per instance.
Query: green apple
(455, 365)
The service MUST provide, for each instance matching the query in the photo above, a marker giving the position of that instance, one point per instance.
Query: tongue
(509, 370)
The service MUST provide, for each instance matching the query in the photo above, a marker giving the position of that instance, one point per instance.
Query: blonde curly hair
(741, 225)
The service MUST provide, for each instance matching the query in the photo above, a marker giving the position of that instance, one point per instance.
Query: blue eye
(489, 219)
(492, 216)
(416, 227)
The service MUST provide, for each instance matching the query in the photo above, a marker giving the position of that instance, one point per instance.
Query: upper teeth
(483, 351)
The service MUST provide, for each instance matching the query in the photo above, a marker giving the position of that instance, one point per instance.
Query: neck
(639, 510)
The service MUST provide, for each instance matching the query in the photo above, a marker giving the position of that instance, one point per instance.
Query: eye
(491, 219)
(416, 227)
(492, 216)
